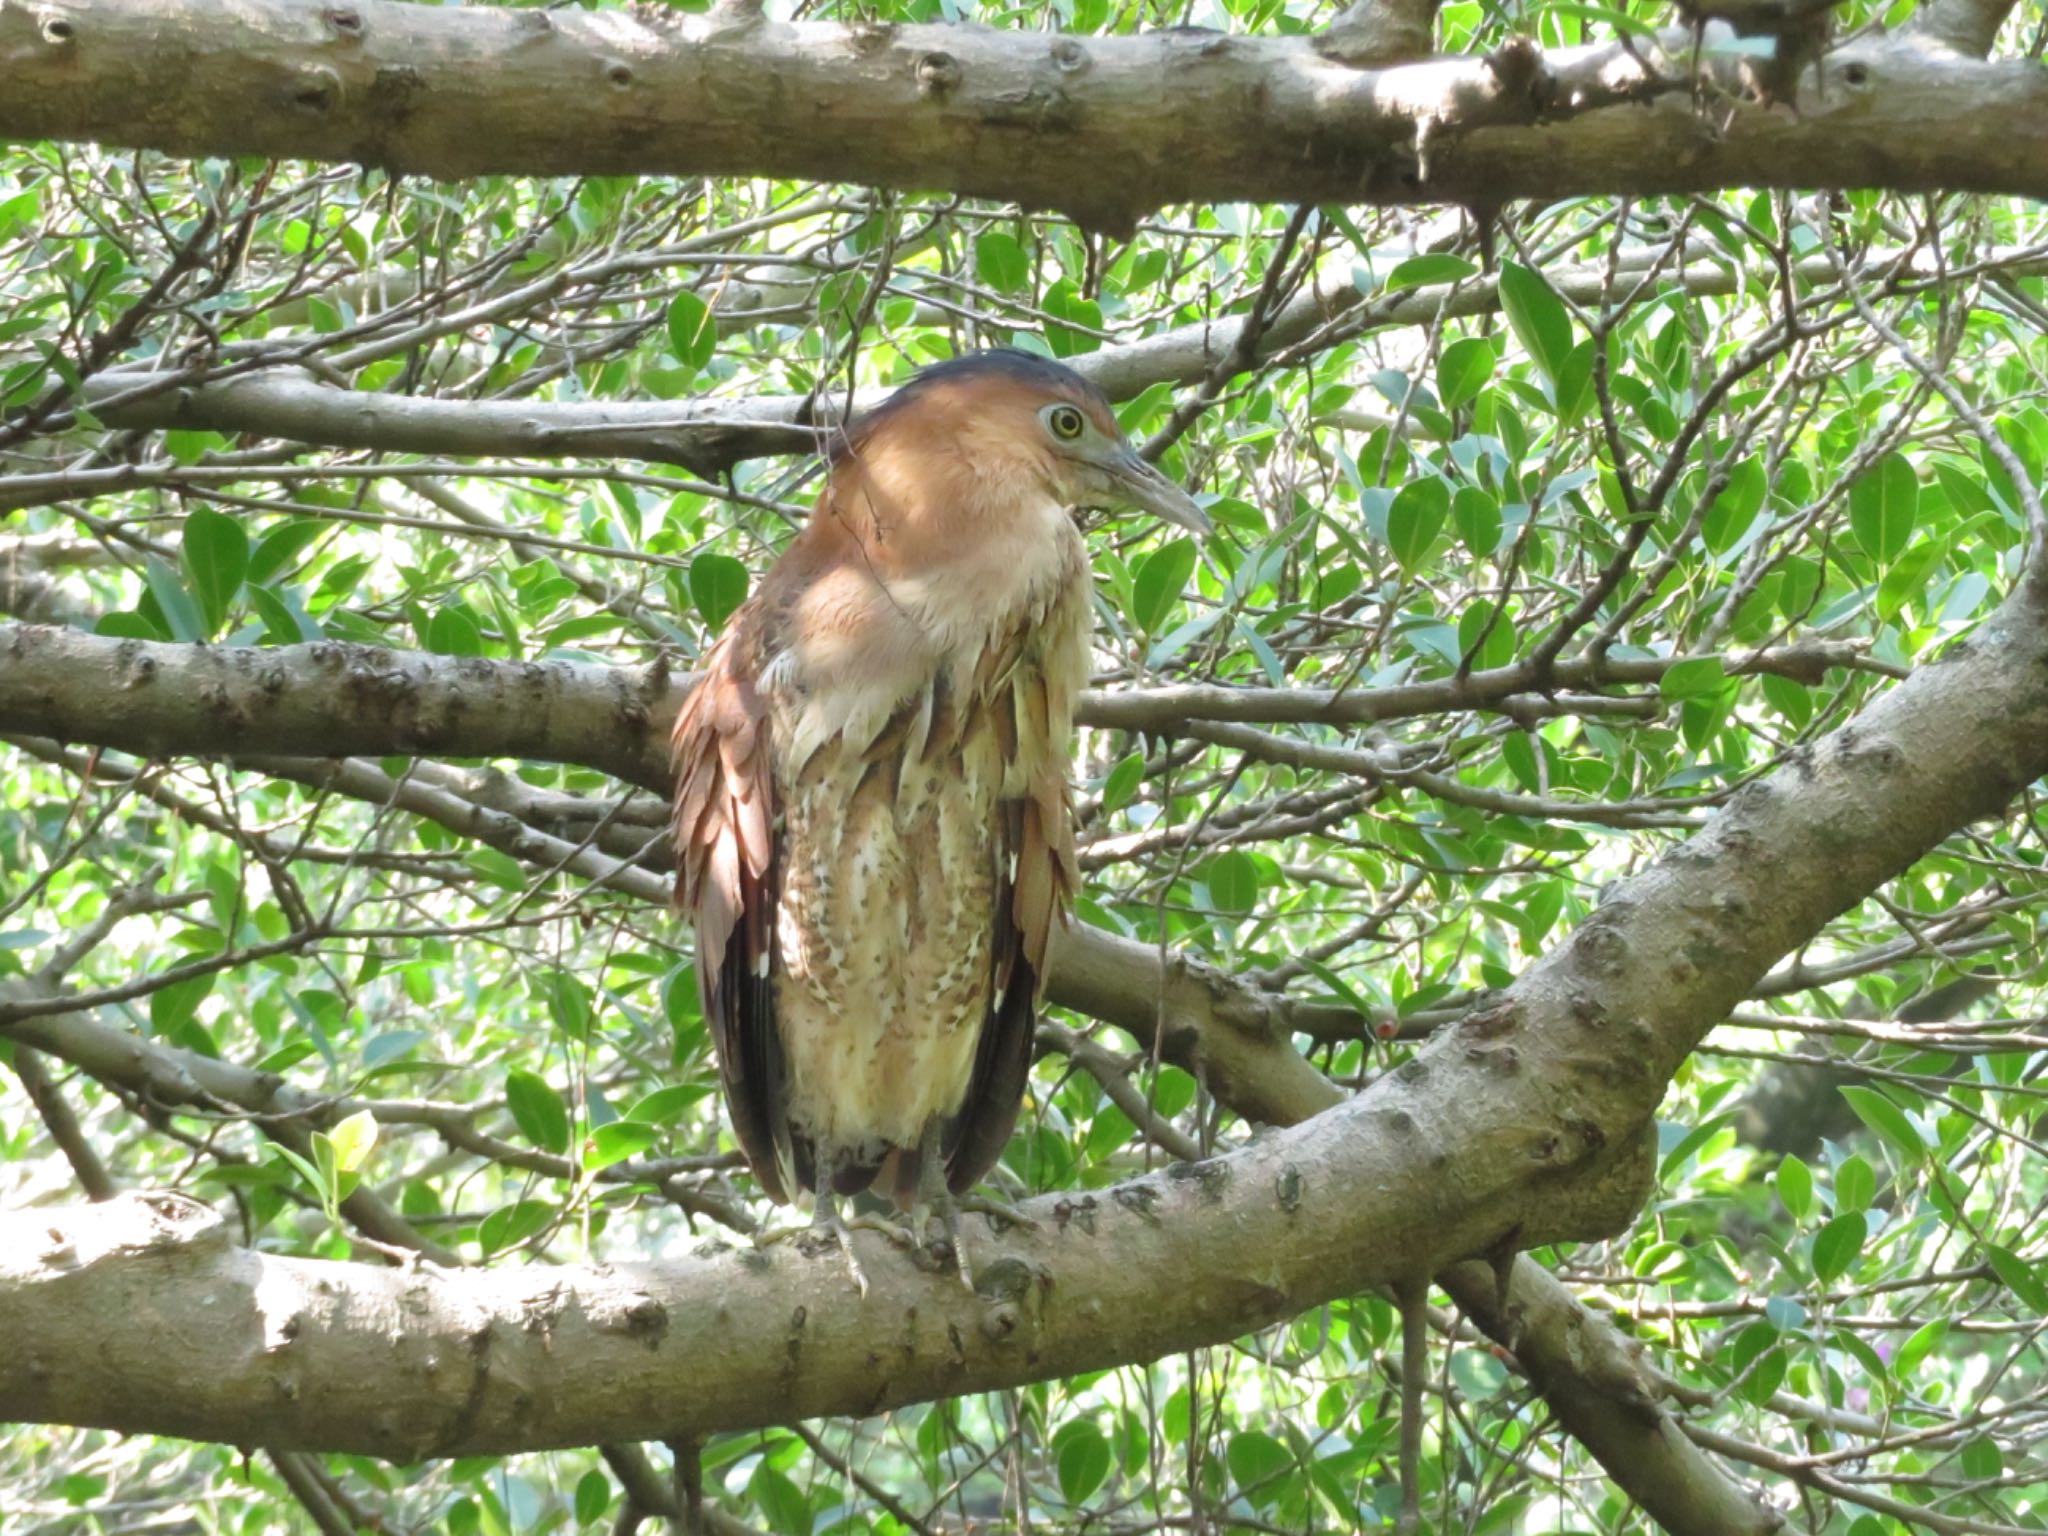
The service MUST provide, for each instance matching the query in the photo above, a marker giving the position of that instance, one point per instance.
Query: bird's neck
(963, 544)
(886, 609)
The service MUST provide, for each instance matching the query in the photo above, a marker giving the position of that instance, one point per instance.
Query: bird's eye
(1065, 422)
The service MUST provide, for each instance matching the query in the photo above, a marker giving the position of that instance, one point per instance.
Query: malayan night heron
(872, 810)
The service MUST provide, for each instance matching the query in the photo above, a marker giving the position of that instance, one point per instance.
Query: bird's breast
(893, 865)
(866, 640)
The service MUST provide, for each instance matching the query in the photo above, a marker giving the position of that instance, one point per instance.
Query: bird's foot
(947, 1208)
(828, 1228)
(1001, 1212)
(946, 1247)
(897, 1231)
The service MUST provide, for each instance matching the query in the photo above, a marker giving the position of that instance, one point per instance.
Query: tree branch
(331, 699)
(1064, 122)
(708, 435)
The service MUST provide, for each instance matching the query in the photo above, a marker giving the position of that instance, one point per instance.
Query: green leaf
(718, 585)
(593, 1497)
(1486, 638)
(172, 1007)
(501, 869)
(1884, 505)
(353, 1138)
(1420, 271)
(1256, 1458)
(181, 615)
(1538, 317)
(214, 556)
(1729, 518)
(539, 1111)
(1982, 1460)
(1698, 678)
(1907, 578)
(278, 549)
(1158, 582)
(1573, 387)
(1463, 370)
(618, 1141)
(1855, 1184)
(2019, 1277)
(780, 1501)
(999, 261)
(1233, 881)
(692, 335)
(665, 1104)
(1691, 1142)
(1836, 1245)
(452, 632)
(1918, 1347)
(513, 1224)
(1415, 518)
(1788, 698)
(1478, 520)
(569, 1005)
(1063, 302)
(304, 1167)
(1795, 1187)
(1123, 781)
(285, 620)
(1082, 1455)
(128, 625)
(1888, 1120)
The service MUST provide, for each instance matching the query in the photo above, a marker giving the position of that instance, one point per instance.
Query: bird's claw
(1000, 1212)
(828, 1227)
(895, 1231)
(946, 1209)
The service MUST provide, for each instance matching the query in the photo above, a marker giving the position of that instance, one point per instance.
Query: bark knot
(937, 74)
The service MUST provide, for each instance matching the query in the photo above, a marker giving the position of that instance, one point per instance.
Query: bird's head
(1000, 423)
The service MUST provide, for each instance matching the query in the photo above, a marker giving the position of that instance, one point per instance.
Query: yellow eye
(1066, 422)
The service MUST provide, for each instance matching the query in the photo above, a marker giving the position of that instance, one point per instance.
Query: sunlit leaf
(1884, 505)
(718, 585)
(538, 1110)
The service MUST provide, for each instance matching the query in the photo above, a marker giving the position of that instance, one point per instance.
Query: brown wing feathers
(725, 850)
(1035, 876)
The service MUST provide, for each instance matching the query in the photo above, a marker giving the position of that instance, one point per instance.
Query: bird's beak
(1149, 491)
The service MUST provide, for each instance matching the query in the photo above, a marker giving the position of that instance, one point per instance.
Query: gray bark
(331, 699)
(1063, 122)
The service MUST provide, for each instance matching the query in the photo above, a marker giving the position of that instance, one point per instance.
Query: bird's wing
(1036, 876)
(726, 856)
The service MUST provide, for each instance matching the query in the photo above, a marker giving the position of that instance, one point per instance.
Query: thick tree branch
(1064, 122)
(331, 699)
(704, 436)
(1968, 26)
(1594, 1380)
(1371, 32)
(1525, 1124)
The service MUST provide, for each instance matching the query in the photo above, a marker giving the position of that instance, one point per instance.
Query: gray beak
(1149, 491)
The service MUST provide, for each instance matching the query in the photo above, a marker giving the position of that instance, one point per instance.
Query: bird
(872, 810)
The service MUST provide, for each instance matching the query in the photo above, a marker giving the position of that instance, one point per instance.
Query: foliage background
(1438, 476)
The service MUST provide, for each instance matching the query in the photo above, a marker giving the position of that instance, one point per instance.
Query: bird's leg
(936, 1198)
(826, 1220)
(828, 1226)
